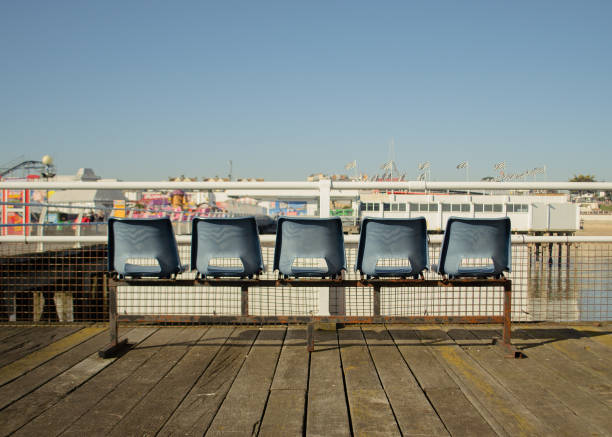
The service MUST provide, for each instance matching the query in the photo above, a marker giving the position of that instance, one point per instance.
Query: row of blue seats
(387, 247)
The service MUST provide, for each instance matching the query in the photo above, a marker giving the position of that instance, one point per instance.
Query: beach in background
(596, 225)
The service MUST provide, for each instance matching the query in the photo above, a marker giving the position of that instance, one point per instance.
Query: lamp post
(47, 173)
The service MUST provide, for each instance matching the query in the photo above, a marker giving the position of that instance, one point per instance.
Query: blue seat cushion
(224, 271)
(139, 270)
(475, 271)
(308, 271)
(392, 271)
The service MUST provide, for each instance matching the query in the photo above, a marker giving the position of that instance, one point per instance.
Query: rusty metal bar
(507, 312)
(285, 320)
(318, 282)
(113, 325)
(310, 337)
(376, 300)
(245, 318)
(511, 351)
(244, 300)
(115, 346)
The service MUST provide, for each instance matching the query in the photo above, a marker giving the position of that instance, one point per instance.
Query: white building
(528, 213)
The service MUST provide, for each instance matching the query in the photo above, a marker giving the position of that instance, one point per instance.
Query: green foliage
(583, 178)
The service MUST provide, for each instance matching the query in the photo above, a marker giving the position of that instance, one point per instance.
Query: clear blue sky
(149, 89)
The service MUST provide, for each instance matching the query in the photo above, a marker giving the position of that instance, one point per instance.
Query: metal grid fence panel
(63, 283)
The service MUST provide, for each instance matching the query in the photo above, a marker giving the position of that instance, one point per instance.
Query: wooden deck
(371, 380)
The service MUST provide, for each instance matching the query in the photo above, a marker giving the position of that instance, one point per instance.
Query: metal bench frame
(110, 285)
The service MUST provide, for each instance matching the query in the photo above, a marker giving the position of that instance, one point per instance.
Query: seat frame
(111, 283)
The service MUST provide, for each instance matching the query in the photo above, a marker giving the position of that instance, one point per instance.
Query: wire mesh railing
(62, 282)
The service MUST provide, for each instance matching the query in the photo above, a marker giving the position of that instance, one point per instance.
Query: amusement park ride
(15, 203)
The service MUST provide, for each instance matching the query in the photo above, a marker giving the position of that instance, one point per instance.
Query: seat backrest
(473, 239)
(147, 238)
(309, 238)
(226, 238)
(400, 243)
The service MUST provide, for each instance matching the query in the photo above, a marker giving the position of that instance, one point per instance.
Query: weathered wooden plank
(286, 406)
(576, 345)
(251, 388)
(118, 403)
(426, 368)
(459, 416)
(19, 335)
(494, 402)
(195, 413)
(580, 350)
(20, 346)
(464, 337)
(534, 396)
(537, 345)
(596, 341)
(369, 407)
(26, 409)
(327, 412)
(598, 334)
(412, 410)
(7, 331)
(52, 421)
(292, 370)
(284, 415)
(580, 402)
(35, 378)
(158, 405)
(38, 357)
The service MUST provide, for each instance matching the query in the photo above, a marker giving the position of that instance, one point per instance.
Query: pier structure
(260, 379)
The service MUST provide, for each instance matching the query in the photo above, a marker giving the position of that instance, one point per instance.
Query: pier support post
(550, 252)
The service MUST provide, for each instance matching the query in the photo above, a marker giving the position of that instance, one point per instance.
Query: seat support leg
(510, 351)
(115, 346)
(244, 300)
(310, 336)
(376, 300)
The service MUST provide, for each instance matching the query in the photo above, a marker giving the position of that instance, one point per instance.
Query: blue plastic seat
(469, 241)
(150, 239)
(399, 243)
(226, 238)
(301, 240)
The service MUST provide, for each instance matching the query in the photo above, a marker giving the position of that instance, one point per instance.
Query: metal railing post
(324, 197)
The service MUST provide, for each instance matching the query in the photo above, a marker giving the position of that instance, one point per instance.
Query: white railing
(270, 239)
(324, 189)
